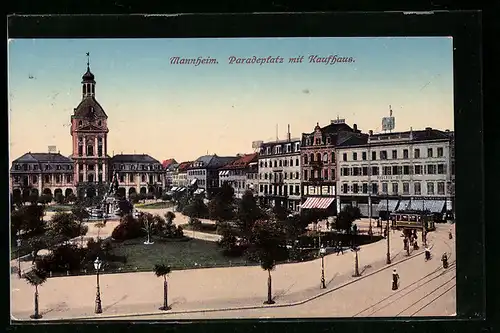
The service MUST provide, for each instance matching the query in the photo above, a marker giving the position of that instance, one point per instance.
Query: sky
(183, 111)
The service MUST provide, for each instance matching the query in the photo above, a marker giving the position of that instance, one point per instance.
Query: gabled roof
(133, 158)
(42, 158)
(168, 163)
(183, 166)
(84, 109)
(241, 162)
(212, 161)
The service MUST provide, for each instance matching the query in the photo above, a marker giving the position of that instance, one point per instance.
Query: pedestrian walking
(339, 248)
(395, 280)
(427, 253)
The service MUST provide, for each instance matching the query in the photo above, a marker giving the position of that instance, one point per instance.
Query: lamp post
(322, 252)
(98, 306)
(356, 259)
(19, 242)
(388, 259)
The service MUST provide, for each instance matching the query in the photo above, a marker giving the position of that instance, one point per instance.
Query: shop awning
(199, 191)
(173, 189)
(404, 205)
(387, 205)
(181, 189)
(224, 173)
(433, 206)
(318, 203)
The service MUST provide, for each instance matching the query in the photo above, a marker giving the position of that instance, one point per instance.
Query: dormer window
(328, 141)
(99, 123)
(80, 123)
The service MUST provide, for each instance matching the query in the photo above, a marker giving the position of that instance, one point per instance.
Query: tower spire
(88, 60)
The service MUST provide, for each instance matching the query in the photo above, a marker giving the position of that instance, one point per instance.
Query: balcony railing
(316, 164)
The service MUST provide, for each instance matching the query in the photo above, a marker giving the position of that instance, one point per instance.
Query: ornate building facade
(279, 173)
(319, 164)
(235, 173)
(89, 168)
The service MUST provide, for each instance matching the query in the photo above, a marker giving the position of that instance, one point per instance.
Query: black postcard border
(463, 26)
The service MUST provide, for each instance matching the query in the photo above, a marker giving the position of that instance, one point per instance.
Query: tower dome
(88, 76)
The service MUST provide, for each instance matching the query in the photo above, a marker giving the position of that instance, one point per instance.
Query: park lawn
(193, 253)
(59, 208)
(155, 205)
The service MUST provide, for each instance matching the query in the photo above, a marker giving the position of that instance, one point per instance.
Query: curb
(236, 308)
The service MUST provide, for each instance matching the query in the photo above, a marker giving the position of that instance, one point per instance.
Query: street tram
(412, 220)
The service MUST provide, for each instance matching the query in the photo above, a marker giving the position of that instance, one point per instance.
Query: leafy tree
(157, 194)
(45, 199)
(63, 227)
(32, 218)
(159, 223)
(221, 207)
(166, 197)
(280, 213)
(16, 222)
(163, 271)
(196, 208)
(169, 217)
(150, 196)
(80, 214)
(346, 217)
(16, 199)
(268, 240)
(248, 212)
(59, 198)
(133, 198)
(125, 207)
(228, 240)
(182, 201)
(71, 198)
(36, 278)
(129, 228)
(141, 196)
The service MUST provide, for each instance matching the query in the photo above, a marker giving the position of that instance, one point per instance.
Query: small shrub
(129, 228)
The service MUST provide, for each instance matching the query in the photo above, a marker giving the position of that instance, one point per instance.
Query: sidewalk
(201, 288)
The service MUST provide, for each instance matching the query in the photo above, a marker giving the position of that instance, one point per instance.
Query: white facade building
(279, 173)
(414, 169)
(236, 173)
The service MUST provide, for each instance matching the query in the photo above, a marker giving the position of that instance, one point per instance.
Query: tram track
(404, 292)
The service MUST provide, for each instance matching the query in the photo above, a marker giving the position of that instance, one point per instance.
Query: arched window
(305, 159)
(333, 157)
(318, 157)
(99, 123)
(297, 161)
(311, 157)
(325, 157)
(84, 89)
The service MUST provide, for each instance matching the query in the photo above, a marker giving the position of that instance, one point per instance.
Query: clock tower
(89, 133)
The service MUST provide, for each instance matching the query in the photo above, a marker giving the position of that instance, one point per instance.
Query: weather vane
(88, 59)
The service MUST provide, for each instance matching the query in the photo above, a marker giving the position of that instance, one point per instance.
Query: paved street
(217, 287)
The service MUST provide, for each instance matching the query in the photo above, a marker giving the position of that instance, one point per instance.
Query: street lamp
(322, 252)
(19, 241)
(388, 259)
(98, 306)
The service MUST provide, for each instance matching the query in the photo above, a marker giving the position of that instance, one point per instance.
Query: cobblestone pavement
(214, 288)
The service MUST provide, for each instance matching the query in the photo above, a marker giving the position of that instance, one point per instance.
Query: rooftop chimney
(370, 132)
(355, 127)
(289, 135)
(428, 128)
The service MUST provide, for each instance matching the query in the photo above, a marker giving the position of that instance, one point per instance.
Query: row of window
(58, 179)
(417, 188)
(280, 163)
(327, 174)
(279, 175)
(388, 170)
(280, 190)
(197, 172)
(383, 154)
(36, 167)
(90, 151)
(287, 148)
(121, 178)
(144, 167)
(317, 158)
